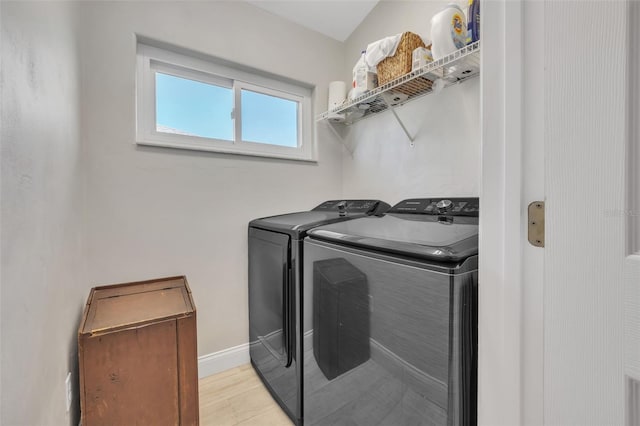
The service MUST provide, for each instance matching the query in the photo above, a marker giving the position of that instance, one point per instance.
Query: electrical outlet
(67, 384)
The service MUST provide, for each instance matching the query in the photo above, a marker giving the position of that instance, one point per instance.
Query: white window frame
(152, 59)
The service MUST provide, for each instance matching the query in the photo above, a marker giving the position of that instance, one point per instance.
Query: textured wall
(156, 212)
(446, 126)
(43, 290)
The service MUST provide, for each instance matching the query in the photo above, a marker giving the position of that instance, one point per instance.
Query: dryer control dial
(444, 205)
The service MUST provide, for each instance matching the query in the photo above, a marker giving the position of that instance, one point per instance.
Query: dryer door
(271, 313)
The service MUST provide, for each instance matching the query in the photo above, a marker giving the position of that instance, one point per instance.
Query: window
(195, 103)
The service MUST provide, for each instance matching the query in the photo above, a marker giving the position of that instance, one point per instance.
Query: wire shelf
(454, 68)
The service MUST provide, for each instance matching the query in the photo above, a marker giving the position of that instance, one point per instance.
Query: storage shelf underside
(455, 68)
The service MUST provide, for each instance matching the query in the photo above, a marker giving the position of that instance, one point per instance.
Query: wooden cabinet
(138, 355)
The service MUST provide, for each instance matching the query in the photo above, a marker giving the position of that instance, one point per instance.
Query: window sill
(194, 146)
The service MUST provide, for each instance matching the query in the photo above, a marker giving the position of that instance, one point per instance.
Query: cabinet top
(114, 307)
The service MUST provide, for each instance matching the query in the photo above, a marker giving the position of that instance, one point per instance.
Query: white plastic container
(448, 31)
(420, 57)
(363, 78)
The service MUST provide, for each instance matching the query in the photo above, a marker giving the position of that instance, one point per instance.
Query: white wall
(43, 286)
(155, 212)
(446, 126)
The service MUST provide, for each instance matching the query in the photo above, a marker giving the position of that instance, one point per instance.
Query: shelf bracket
(406, 132)
(395, 114)
(338, 136)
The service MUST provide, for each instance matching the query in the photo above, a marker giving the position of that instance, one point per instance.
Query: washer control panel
(354, 206)
(438, 206)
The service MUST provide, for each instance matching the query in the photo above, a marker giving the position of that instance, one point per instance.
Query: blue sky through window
(193, 108)
(268, 119)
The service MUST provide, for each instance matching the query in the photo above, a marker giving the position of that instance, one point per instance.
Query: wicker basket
(400, 63)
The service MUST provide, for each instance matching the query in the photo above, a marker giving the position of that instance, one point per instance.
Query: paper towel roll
(337, 94)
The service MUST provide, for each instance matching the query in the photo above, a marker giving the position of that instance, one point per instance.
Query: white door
(632, 216)
(560, 326)
(586, 141)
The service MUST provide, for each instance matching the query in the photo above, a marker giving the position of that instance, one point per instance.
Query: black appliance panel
(296, 224)
(438, 206)
(340, 316)
(420, 368)
(424, 236)
(272, 314)
(370, 207)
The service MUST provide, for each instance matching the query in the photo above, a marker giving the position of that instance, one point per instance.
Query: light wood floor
(238, 397)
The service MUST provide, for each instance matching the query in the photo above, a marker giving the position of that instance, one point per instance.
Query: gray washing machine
(275, 276)
(390, 317)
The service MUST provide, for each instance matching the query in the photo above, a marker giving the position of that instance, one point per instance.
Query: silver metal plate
(536, 223)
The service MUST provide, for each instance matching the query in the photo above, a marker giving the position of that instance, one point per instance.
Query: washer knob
(444, 205)
(342, 208)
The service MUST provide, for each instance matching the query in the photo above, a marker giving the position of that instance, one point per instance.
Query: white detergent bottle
(448, 31)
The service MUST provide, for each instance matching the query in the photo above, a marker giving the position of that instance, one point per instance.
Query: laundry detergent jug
(448, 31)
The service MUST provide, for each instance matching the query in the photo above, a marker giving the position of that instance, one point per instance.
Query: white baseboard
(231, 357)
(308, 339)
(223, 360)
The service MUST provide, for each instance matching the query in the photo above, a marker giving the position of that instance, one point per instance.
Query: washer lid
(296, 224)
(445, 239)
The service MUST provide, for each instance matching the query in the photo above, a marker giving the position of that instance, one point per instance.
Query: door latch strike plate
(536, 223)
